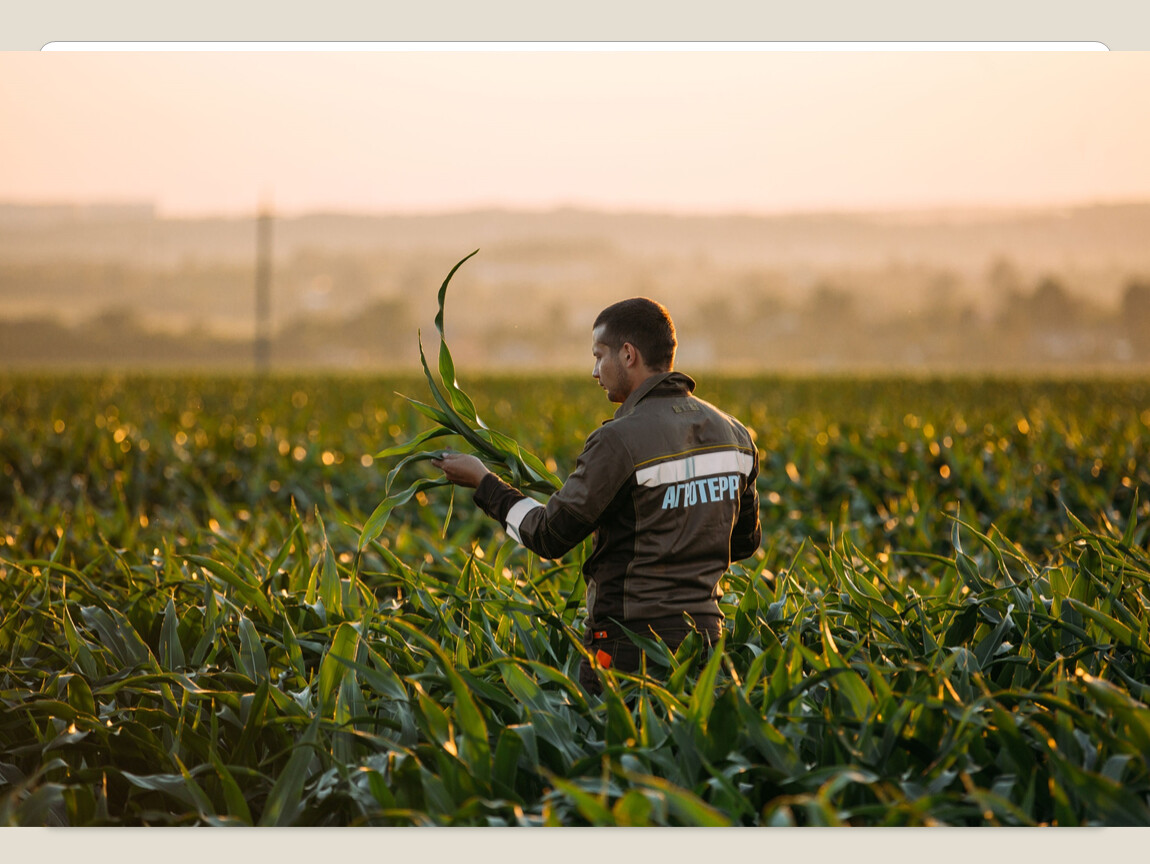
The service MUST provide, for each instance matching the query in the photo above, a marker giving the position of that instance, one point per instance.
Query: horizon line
(161, 213)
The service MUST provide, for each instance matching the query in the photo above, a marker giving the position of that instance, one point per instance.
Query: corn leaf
(284, 801)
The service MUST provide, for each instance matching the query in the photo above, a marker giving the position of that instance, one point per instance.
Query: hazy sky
(201, 133)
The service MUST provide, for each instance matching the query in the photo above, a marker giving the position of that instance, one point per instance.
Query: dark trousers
(612, 648)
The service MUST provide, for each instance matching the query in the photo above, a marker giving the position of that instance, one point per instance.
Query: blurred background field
(890, 457)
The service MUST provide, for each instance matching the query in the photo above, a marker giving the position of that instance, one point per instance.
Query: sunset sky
(211, 133)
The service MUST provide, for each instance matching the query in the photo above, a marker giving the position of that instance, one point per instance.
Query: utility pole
(263, 342)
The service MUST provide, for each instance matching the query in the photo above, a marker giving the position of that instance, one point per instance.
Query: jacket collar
(660, 382)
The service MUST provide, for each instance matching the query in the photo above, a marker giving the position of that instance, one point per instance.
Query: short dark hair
(644, 323)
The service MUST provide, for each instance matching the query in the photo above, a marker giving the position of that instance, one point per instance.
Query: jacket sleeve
(748, 532)
(550, 530)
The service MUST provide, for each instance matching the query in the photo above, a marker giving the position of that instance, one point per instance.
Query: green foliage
(196, 628)
(455, 415)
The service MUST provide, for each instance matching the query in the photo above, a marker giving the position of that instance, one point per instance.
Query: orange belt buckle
(604, 658)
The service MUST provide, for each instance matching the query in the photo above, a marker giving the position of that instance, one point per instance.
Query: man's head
(631, 340)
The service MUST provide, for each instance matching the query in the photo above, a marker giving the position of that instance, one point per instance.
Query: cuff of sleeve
(495, 497)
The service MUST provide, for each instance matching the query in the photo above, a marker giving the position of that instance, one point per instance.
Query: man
(667, 486)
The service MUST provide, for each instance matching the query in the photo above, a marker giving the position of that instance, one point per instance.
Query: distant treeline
(1003, 290)
(1037, 327)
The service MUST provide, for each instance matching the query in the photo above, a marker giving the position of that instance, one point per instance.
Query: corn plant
(455, 415)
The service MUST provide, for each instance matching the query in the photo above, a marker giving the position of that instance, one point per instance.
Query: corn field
(249, 601)
(947, 624)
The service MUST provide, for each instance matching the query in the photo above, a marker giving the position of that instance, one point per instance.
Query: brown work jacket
(667, 486)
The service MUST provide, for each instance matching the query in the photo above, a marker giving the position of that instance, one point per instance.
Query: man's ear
(631, 355)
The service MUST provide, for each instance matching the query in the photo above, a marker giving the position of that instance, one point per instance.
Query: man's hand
(461, 469)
